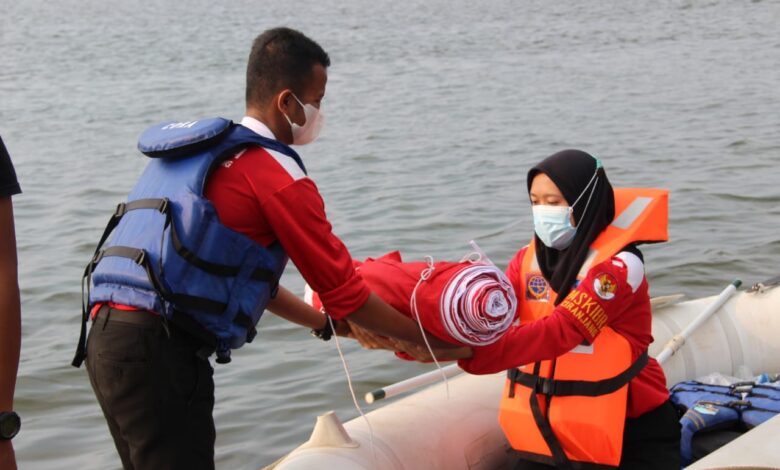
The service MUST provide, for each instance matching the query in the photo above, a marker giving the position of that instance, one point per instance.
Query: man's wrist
(9, 425)
(326, 332)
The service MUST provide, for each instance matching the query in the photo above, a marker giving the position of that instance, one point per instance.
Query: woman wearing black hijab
(584, 332)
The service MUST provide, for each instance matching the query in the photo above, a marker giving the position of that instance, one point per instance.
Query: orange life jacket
(571, 410)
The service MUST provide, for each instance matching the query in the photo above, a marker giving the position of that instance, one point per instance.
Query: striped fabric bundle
(466, 303)
(477, 305)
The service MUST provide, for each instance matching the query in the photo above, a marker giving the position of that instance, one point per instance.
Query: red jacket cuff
(346, 298)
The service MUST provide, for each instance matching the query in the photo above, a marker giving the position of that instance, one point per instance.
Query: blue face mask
(553, 225)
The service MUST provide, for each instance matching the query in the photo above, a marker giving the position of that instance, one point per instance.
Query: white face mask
(310, 129)
(552, 225)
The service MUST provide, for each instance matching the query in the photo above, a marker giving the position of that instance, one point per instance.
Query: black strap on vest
(139, 257)
(739, 405)
(259, 274)
(561, 388)
(543, 423)
(567, 388)
(162, 205)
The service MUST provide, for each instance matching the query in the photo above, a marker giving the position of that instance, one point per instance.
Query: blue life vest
(169, 252)
(712, 407)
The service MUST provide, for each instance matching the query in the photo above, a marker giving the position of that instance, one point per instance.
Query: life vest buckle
(163, 208)
(740, 404)
(120, 211)
(140, 258)
(544, 386)
(741, 387)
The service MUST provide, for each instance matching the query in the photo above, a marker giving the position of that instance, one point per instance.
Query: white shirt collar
(257, 127)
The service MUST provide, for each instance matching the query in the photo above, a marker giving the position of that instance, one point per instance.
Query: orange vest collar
(642, 216)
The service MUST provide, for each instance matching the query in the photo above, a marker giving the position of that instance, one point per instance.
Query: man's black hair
(280, 58)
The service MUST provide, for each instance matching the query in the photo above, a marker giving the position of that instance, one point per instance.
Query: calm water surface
(435, 111)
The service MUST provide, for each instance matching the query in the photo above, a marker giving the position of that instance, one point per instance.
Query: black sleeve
(8, 182)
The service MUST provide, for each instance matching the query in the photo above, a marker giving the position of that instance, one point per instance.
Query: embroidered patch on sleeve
(605, 286)
(537, 288)
(586, 310)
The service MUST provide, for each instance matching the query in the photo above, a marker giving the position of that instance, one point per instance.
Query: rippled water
(435, 112)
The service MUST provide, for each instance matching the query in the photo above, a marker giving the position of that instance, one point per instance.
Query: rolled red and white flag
(467, 303)
(477, 305)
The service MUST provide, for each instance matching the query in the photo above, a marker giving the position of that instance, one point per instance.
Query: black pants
(155, 392)
(650, 442)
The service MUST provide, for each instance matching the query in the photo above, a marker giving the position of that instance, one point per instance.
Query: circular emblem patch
(605, 286)
(537, 287)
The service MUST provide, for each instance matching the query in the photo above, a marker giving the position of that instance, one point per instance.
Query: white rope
(424, 275)
(352, 392)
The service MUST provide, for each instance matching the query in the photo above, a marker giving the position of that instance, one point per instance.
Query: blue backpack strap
(271, 144)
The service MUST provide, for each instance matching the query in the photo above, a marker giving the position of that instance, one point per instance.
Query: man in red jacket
(156, 392)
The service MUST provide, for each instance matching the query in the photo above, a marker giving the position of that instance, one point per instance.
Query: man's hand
(342, 328)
